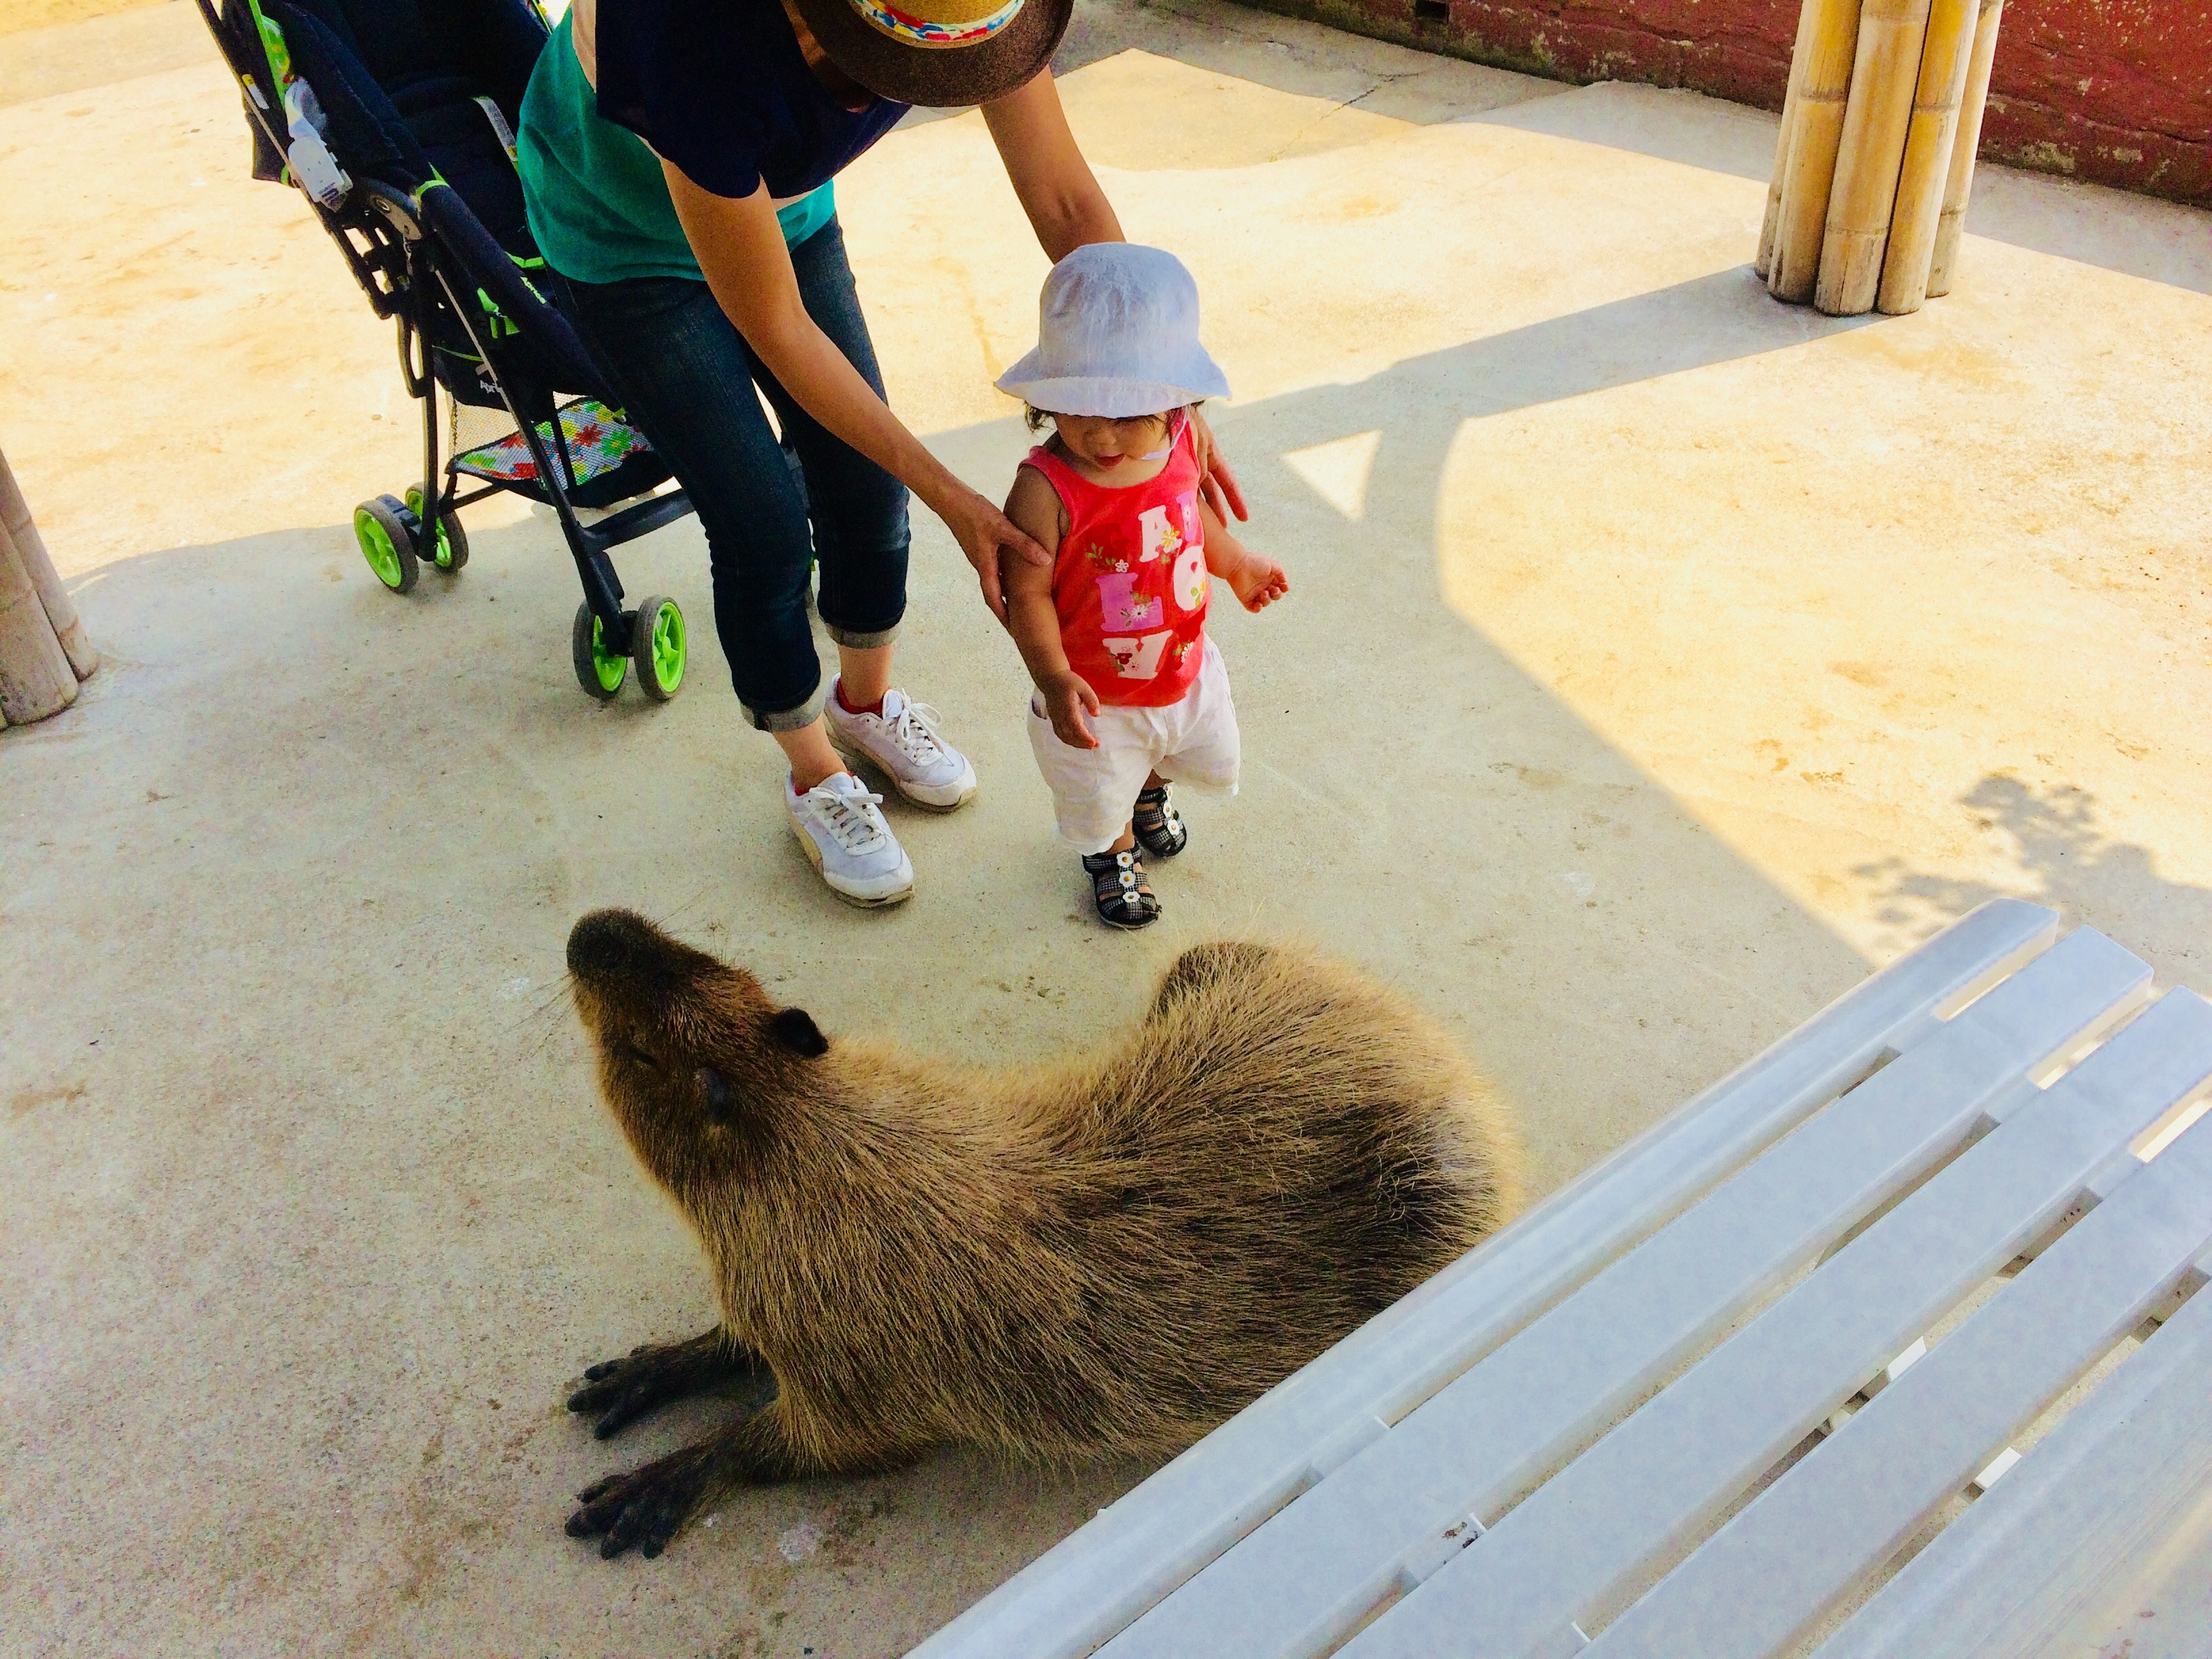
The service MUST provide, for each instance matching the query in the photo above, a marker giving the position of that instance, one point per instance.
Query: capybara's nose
(606, 942)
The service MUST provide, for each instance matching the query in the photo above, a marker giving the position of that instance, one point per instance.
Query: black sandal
(1124, 899)
(1158, 824)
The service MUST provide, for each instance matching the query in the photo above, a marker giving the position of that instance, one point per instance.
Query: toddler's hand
(1066, 697)
(1259, 581)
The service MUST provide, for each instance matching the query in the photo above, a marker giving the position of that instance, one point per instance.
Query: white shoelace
(915, 732)
(851, 819)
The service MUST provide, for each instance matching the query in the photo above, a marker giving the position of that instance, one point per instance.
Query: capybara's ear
(794, 1028)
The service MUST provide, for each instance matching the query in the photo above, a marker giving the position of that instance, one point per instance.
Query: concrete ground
(1660, 659)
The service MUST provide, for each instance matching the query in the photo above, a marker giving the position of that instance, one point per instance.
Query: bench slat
(1312, 1572)
(2088, 1504)
(1638, 1500)
(1838, 1516)
(1094, 1582)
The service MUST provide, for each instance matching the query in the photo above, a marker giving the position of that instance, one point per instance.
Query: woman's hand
(741, 250)
(1215, 481)
(1068, 696)
(984, 533)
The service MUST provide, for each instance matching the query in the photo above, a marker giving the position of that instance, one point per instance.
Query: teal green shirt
(597, 200)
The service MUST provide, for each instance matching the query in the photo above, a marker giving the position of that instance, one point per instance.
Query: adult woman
(676, 157)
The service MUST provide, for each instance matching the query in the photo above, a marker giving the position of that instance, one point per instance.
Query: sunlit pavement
(1659, 660)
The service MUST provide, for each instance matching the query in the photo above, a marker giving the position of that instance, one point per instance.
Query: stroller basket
(598, 446)
(395, 119)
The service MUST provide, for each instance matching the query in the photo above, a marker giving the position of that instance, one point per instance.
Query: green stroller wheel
(450, 551)
(657, 646)
(599, 671)
(385, 529)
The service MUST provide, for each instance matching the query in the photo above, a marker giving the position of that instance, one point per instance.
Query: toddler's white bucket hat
(1117, 336)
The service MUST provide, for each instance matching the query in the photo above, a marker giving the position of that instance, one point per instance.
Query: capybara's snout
(615, 944)
(624, 964)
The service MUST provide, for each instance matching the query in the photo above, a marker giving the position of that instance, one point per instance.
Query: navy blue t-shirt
(721, 88)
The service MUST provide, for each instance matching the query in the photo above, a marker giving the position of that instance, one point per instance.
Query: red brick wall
(2118, 92)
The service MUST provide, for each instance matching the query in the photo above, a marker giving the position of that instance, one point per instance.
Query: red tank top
(1130, 582)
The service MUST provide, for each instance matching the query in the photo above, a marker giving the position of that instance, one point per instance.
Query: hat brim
(1111, 400)
(940, 77)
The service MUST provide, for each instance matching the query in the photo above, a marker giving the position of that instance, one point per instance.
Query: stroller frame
(406, 248)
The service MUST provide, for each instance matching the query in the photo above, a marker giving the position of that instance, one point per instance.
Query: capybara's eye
(639, 1056)
(716, 1089)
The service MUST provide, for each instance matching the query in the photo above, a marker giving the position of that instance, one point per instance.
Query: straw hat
(1117, 336)
(942, 54)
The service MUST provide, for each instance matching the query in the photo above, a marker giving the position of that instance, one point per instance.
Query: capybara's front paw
(621, 1391)
(647, 1506)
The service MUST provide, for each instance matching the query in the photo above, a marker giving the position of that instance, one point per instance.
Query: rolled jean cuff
(853, 639)
(789, 720)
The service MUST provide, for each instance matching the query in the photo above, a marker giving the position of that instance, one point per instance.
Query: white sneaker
(846, 839)
(903, 745)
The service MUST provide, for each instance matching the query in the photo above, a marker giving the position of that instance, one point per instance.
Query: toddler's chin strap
(1174, 436)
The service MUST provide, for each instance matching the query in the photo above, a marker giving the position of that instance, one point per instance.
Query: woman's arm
(740, 248)
(1065, 207)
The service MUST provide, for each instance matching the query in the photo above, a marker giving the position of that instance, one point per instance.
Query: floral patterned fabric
(597, 443)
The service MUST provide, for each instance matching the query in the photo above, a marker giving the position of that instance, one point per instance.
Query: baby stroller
(396, 119)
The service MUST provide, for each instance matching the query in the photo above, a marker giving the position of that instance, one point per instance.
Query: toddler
(1130, 692)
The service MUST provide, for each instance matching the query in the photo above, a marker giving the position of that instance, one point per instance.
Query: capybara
(1109, 1252)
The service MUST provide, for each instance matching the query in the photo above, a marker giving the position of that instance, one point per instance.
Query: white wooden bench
(1558, 1434)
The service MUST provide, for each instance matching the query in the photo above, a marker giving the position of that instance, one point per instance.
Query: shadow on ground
(2049, 833)
(1420, 404)
(314, 1215)
(324, 1217)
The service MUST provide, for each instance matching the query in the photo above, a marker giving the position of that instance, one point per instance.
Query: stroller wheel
(385, 529)
(450, 550)
(599, 671)
(657, 646)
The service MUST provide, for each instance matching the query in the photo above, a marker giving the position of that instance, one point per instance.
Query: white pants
(1094, 790)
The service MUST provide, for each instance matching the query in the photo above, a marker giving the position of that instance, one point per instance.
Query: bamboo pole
(1885, 78)
(1807, 13)
(35, 676)
(1829, 32)
(1925, 176)
(1961, 189)
(30, 547)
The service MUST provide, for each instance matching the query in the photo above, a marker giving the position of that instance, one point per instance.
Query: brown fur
(1114, 1253)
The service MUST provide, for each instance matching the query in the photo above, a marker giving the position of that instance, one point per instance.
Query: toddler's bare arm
(1256, 579)
(1033, 620)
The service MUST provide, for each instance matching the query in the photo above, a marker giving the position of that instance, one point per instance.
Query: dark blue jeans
(685, 377)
